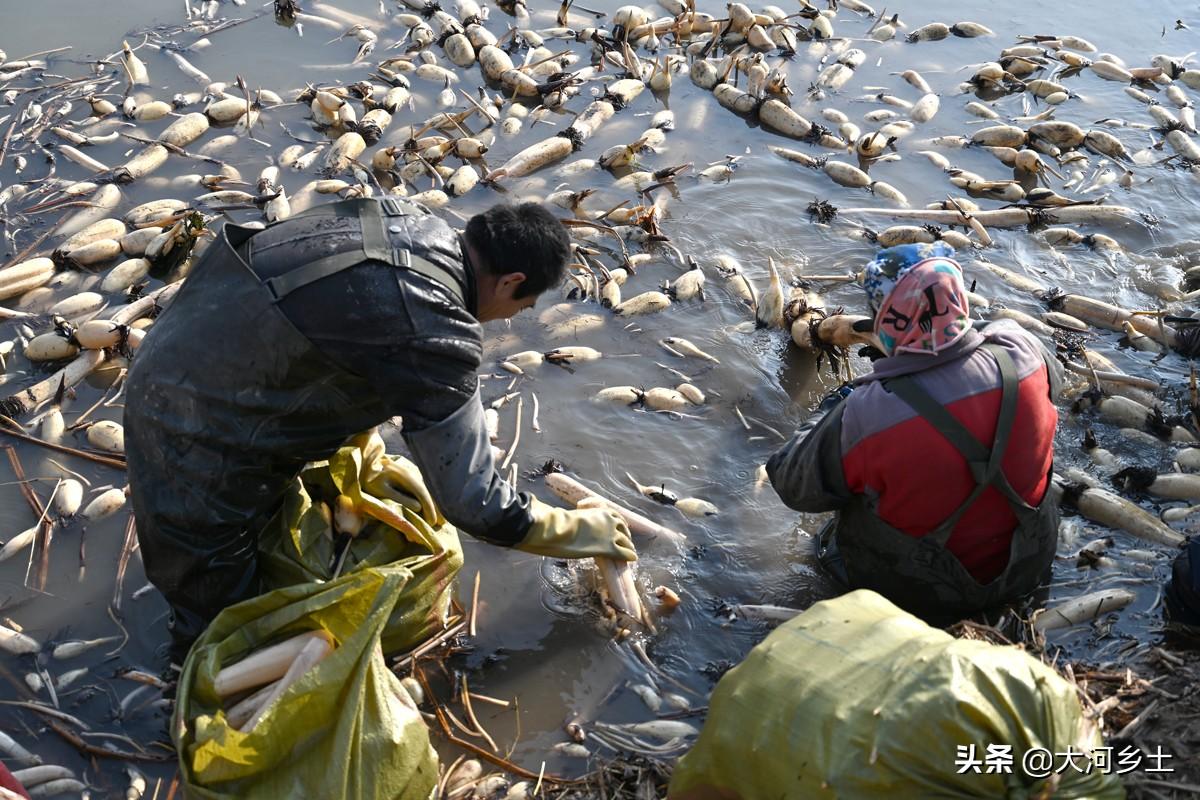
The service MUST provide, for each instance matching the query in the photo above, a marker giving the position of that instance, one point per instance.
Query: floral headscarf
(918, 296)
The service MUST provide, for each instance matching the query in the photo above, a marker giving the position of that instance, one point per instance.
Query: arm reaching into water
(807, 471)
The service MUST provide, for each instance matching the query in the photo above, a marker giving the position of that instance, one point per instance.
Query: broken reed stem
(1002, 217)
(432, 644)
(475, 602)
(516, 435)
(80, 421)
(657, 671)
(52, 50)
(1113, 377)
(103, 752)
(82, 479)
(979, 631)
(440, 789)
(53, 205)
(537, 787)
(462, 726)
(475, 749)
(19, 472)
(19, 257)
(544, 60)
(18, 117)
(41, 546)
(471, 718)
(45, 538)
(495, 701)
(123, 562)
(82, 553)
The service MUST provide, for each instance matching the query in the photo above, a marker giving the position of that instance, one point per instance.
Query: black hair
(525, 238)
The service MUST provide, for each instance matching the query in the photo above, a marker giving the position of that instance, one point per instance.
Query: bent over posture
(285, 342)
(938, 462)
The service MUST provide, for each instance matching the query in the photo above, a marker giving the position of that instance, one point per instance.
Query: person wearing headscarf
(938, 462)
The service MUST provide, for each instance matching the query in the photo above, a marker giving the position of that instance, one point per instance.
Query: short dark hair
(525, 238)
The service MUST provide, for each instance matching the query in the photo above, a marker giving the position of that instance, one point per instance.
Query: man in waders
(285, 342)
(939, 461)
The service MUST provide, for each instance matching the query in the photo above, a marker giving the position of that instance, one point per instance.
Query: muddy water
(538, 641)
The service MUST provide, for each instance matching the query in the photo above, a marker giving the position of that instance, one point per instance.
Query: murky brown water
(534, 643)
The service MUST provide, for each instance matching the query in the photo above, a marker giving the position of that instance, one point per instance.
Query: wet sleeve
(420, 350)
(428, 380)
(807, 471)
(455, 458)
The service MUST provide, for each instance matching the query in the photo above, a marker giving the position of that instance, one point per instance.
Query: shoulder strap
(373, 218)
(985, 463)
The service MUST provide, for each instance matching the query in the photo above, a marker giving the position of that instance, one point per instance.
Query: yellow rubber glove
(404, 475)
(578, 533)
(373, 451)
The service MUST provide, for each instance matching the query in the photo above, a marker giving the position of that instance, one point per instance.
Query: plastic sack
(296, 547)
(346, 729)
(856, 698)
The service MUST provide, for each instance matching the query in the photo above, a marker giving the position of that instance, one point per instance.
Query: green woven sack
(856, 698)
(345, 729)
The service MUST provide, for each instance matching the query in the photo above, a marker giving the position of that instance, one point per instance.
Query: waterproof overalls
(228, 400)
(919, 573)
(939, 470)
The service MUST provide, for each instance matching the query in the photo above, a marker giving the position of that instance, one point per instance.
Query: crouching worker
(285, 342)
(938, 462)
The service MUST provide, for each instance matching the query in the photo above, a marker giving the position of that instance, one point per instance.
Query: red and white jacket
(875, 444)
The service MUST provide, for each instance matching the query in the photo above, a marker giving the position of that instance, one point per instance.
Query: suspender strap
(282, 285)
(376, 245)
(985, 464)
(396, 207)
(436, 273)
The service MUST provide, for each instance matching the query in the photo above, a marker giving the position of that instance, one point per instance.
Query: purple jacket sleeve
(807, 471)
